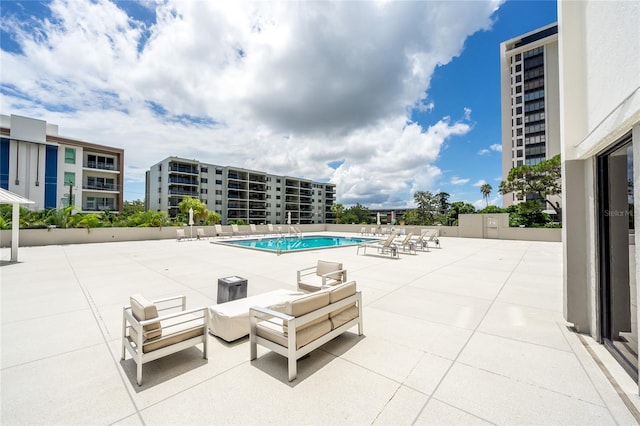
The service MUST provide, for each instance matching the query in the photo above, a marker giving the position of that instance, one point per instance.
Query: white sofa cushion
(143, 310)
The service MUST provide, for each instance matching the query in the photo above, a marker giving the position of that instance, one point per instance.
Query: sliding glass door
(618, 302)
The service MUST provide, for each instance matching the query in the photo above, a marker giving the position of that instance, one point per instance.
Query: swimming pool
(287, 244)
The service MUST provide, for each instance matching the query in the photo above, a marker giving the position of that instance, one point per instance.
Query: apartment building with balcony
(57, 171)
(238, 194)
(530, 100)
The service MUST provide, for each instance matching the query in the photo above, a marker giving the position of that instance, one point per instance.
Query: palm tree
(338, 209)
(486, 190)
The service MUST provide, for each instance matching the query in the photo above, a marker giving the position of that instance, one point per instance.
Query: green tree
(199, 208)
(492, 209)
(541, 180)
(212, 218)
(443, 204)
(486, 191)
(356, 214)
(412, 217)
(148, 219)
(131, 207)
(457, 208)
(90, 220)
(427, 206)
(337, 209)
(529, 214)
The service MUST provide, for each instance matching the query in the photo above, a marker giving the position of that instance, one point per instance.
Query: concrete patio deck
(468, 334)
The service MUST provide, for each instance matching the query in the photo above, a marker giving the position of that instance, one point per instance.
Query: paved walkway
(468, 334)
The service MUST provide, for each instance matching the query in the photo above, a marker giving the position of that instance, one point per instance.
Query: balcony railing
(100, 165)
(98, 208)
(101, 187)
(183, 192)
(184, 169)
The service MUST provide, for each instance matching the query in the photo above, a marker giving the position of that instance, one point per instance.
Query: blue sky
(301, 89)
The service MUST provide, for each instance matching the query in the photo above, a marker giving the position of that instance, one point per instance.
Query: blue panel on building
(4, 163)
(51, 177)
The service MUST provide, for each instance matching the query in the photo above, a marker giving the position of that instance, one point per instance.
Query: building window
(204, 180)
(218, 171)
(218, 182)
(204, 170)
(70, 155)
(69, 178)
(518, 67)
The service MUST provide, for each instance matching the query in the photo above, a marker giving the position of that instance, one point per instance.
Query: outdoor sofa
(305, 323)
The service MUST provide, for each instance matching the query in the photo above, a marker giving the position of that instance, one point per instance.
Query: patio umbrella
(191, 220)
(288, 218)
(378, 219)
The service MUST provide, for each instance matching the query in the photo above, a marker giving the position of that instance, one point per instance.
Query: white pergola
(7, 197)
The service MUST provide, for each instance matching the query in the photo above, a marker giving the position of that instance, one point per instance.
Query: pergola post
(15, 231)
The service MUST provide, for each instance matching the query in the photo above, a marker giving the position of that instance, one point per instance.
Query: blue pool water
(290, 244)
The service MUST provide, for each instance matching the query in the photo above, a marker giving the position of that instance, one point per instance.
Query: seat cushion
(343, 316)
(342, 291)
(308, 303)
(274, 332)
(325, 267)
(143, 310)
(176, 330)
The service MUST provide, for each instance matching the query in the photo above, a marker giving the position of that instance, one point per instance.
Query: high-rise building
(530, 100)
(238, 194)
(56, 171)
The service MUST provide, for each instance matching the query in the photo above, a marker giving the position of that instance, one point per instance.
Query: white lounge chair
(271, 230)
(180, 234)
(200, 234)
(433, 236)
(407, 245)
(420, 243)
(254, 230)
(236, 231)
(220, 232)
(382, 246)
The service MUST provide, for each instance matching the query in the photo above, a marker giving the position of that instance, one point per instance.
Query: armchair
(324, 274)
(147, 335)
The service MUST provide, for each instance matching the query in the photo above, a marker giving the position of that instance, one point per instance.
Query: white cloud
(493, 148)
(480, 183)
(459, 181)
(271, 86)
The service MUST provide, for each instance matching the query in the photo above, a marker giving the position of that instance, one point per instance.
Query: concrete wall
(496, 226)
(471, 229)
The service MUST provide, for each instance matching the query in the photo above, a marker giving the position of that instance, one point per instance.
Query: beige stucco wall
(471, 229)
(599, 60)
